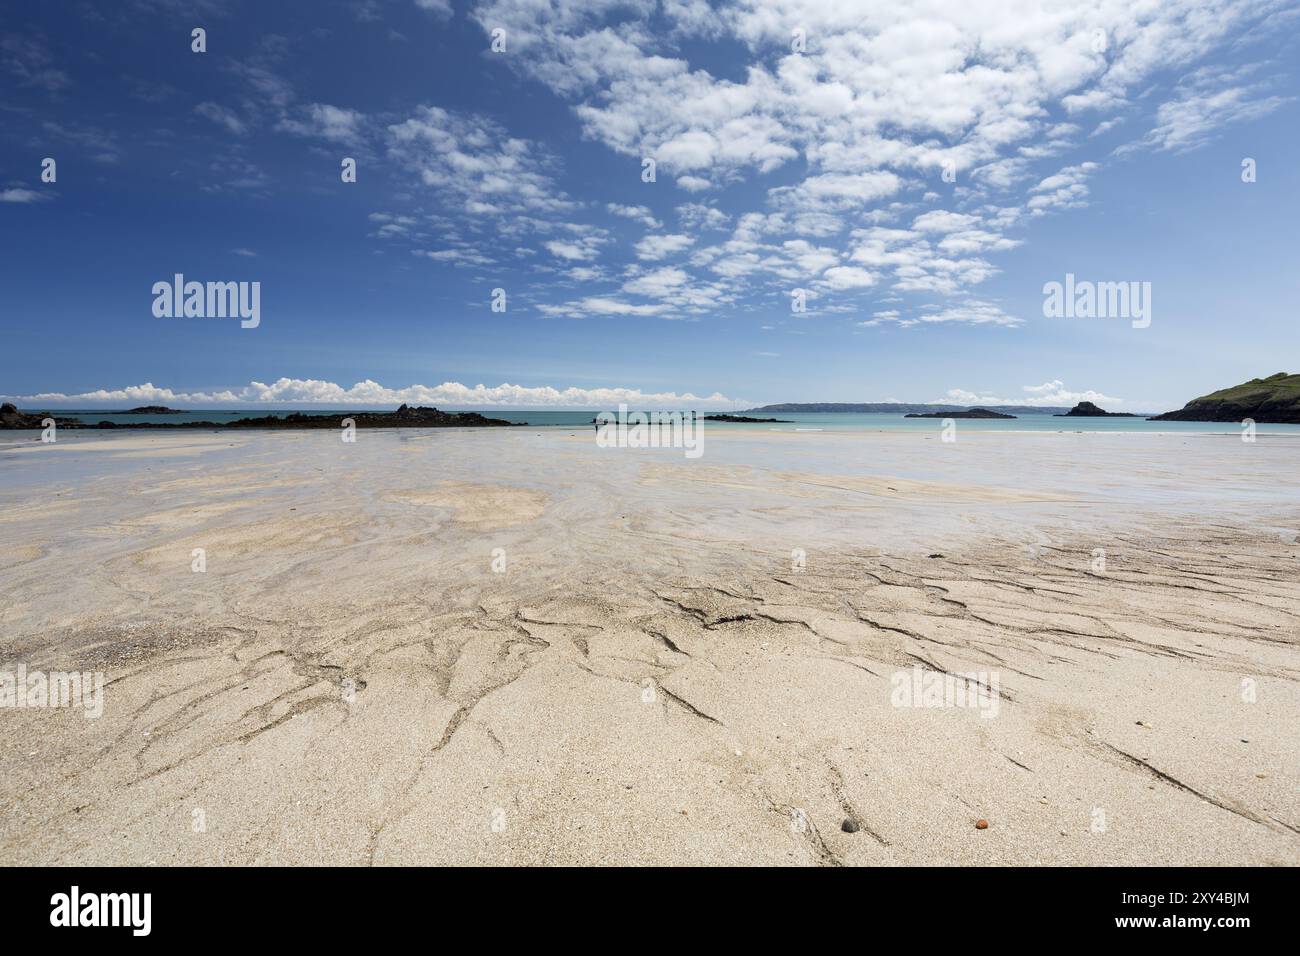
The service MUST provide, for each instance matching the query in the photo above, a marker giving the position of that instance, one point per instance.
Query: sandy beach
(514, 647)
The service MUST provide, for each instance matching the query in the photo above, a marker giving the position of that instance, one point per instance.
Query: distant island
(150, 410)
(405, 417)
(743, 418)
(970, 413)
(1089, 410)
(1274, 399)
(903, 408)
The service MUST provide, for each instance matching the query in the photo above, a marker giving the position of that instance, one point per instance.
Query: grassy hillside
(1272, 399)
(1258, 389)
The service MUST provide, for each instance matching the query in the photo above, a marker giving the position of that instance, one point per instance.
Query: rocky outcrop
(743, 419)
(1273, 399)
(1089, 410)
(11, 417)
(970, 413)
(405, 417)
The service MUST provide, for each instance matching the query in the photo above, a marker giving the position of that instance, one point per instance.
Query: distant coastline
(405, 417)
(1271, 400)
(903, 408)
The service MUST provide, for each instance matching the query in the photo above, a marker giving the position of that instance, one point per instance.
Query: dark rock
(850, 825)
(11, 417)
(405, 417)
(970, 413)
(1089, 410)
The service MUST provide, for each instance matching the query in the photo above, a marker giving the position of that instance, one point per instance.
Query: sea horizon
(825, 421)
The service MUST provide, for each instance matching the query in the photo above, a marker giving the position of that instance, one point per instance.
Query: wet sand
(514, 647)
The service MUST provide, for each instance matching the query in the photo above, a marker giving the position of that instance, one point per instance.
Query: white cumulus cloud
(296, 391)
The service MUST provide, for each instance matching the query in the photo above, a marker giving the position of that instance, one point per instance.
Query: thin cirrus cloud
(28, 60)
(439, 8)
(1205, 102)
(21, 194)
(224, 117)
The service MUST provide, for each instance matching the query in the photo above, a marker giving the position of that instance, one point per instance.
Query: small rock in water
(981, 824)
(849, 825)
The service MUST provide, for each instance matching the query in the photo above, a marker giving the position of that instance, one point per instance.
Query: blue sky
(1104, 140)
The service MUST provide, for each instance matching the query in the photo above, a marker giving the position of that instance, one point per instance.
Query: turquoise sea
(794, 421)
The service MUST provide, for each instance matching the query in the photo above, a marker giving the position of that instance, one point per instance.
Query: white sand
(651, 678)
